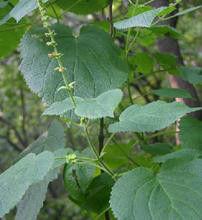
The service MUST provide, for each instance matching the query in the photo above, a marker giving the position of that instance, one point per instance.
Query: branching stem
(93, 148)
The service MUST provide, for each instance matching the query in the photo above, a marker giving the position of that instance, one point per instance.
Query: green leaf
(61, 107)
(173, 193)
(165, 60)
(144, 160)
(144, 62)
(16, 180)
(172, 93)
(144, 19)
(10, 33)
(146, 38)
(30, 205)
(167, 10)
(182, 153)
(165, 30)
(92, 61)
(117, 155)
(191, 74)
(157, 148)
(98, 193)
(190, 133)
(151, 117)
(21, 9)
(77, 178)
(82, 6)
(99, 107)
(3, 4)
(51, 140)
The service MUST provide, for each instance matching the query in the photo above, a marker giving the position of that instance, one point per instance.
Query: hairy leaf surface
(151, 117)
(92, 61)
(99, 107)
(182, 153)
(51, 140)
(30, 205)
(174, 193)
(21, 9)
(17, 179)
(144, 19)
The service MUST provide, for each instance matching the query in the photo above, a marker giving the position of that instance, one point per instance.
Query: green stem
(106, 144)
(129, 92)
(90, 144)
(127, 49)
(149, 2)
(133, 41)
(111, 31)
(56, 54)
(102, 164)
(101, 136)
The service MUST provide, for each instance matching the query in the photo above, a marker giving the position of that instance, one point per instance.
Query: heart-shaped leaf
(91, 59)
(174, 193)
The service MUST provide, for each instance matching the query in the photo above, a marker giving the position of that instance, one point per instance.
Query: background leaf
(10, 33)
(172, 93)
(144, 19)
(118, 155)
(144, 62)
(190, 133)
(98, 193)
(191, 74)
(82, 6)
(21, 9)
(157, 148)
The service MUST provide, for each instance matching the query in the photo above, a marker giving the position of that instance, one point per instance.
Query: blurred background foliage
(20, 110)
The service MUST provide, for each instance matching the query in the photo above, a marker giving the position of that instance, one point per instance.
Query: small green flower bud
(71, 158)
